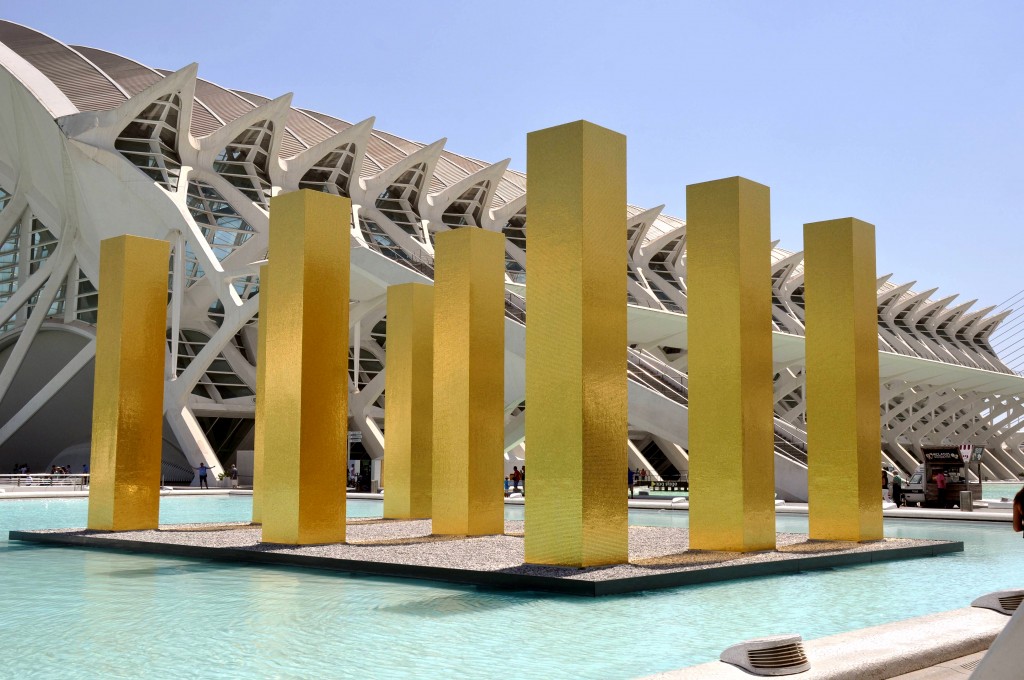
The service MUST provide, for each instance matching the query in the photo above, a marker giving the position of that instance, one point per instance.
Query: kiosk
(954, 462)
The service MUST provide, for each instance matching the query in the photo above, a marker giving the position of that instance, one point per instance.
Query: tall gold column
(729, 325)
(305, 388)
(259, 445)
(128, 395)
(576, 390)
(408, 418)
(469, 379)
(842, 393)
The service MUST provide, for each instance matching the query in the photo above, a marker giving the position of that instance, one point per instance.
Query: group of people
(640, 477)
(514, 481)
(26, 469)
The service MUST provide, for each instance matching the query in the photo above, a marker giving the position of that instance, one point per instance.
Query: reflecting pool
(87, 613)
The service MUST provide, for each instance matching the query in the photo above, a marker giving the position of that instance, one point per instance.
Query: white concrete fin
(888, 299)
(502, 214)
(644, 219)
(101, 128)
(428, 156)
(436, 204)
(274, 111)
(358, 135)
(990, 324)
(926, 307)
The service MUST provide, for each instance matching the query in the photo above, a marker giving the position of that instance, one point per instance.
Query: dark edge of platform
(498, 579)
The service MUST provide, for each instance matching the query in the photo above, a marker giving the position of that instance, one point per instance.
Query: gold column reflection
(305, 396)
(729, 324)
(259, 444)
(576, 390)
(844, 445)
(408, 384)
(127, 413)
(469, 378)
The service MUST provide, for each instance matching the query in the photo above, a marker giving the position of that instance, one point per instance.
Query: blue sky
(906, 114)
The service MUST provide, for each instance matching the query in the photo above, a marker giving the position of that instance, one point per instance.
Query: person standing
(940, 483)
(630, 477)
(516, 477)
(897, 489)
(234, 476)
(203, 470)
(885, 484)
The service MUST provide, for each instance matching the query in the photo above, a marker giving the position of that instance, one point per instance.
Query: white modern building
(93, 144)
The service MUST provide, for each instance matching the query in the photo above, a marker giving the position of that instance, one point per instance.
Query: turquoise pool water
(74, 613)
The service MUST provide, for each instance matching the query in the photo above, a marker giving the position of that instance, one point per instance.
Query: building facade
(93, 144)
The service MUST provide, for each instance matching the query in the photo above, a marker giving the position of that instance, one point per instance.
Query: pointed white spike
(101, 128)
(433, 206)
(427, 155)
(298, 166)
(275, 111)
(645, 219)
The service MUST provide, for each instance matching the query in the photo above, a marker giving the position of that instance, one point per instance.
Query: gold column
(576, 391)
(729, 324)
(305, 396)
(408, 418)
(844, 446)
(258, 489)
(128, 395)
(469, 379)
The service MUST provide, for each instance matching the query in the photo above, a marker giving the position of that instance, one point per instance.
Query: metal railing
(75, 481)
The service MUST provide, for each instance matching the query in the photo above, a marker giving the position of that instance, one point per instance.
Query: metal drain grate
(1002, 601)
(970, 665)
(1011, 602)
(777, 655)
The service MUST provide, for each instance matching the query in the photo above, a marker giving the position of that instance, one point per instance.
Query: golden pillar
(469, 379)
(844, 446)
(729, 325)
(128, 395)
(258, 489)
(576, 389)
(408, 418)
(305, 398)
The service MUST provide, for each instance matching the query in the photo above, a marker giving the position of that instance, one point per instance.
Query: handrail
(74, 479)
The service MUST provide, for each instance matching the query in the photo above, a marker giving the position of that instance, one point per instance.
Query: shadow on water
(182, 569)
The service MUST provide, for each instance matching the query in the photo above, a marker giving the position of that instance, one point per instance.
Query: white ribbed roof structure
(93, 145)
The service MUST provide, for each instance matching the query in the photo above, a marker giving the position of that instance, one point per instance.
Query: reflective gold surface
(844, 445)
(128, 394)
(576, 425)
(408, 418)
(261, 413)
(469, 378)
(729, 324)
(305, 391)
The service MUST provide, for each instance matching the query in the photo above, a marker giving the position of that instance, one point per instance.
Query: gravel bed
(651, 549)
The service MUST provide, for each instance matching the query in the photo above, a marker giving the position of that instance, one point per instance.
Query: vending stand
(954, 462)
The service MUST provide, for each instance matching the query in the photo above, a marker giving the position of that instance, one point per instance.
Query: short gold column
(259, 443)
(469, 379)
(576, 389)
(128, 395)
(729, 325)
(843, 442)
(305, 396)
(408, 418)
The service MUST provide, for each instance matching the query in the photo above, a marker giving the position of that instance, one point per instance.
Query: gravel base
(651, 549)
